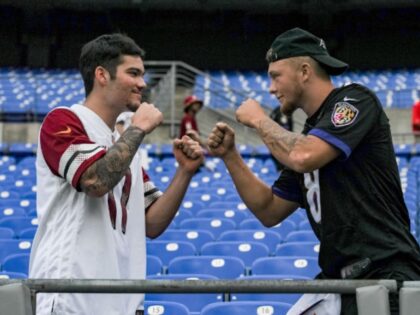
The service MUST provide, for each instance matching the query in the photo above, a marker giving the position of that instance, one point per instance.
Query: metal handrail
(198, 286)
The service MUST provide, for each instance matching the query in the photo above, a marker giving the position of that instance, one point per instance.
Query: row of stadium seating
(9, 152)
(395, 89)
(165, 252)
(32, 93)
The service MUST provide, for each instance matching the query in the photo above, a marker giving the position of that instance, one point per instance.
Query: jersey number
(313, 195)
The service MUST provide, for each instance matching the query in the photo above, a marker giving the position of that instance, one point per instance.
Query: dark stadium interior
(210, 34)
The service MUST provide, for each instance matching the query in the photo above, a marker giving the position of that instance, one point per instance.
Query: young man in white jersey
(95, 203)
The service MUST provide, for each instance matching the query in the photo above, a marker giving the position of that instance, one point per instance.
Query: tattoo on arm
(278, 138)
(105, 173)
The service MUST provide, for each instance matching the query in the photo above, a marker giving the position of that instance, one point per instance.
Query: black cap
(298, 42)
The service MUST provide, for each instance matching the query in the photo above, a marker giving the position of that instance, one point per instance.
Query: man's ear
(102, 75)
(306, 70)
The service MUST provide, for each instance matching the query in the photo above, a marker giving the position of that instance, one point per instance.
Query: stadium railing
(212, 286)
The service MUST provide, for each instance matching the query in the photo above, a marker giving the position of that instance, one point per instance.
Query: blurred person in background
(188, 125)
(341, 169)
(415, 121)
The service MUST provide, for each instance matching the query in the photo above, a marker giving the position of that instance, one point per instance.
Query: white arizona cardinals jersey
(81, 237)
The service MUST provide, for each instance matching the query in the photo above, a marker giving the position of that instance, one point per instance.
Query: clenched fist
(250, 113)
(221, 140)
(147, 117)
(188, 153)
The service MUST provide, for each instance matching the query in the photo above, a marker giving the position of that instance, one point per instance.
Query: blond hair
(318, 69)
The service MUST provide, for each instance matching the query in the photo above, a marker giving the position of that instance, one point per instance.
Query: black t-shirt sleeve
(287, 187)
(347, 119)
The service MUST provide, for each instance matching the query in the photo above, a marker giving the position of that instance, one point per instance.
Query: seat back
(18, 224)
(193, 301)
(219, 266)
(246, 307)
(298, 249)
(269, 238)
(301, 266)
(235, 215)
(16, 263)
(214, 225)
(290, 298)
(246, 251)
(165, 308)
(196, 236)
(154, 265)
(167, 250)
(301, 236)
(13, 246)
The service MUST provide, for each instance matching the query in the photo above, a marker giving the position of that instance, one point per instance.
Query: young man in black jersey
(341, 169)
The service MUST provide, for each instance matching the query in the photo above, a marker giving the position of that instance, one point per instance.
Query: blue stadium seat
(182, 215)
(191, 205)
(196, 237)
(269, 238)
(22, 149)
(227, 205)
(18, 223)
(299, 249)
(16, 263)
(13, 246)
(10, 212)
(305, 226)
(6, 233)
(166, 150)
(28, 233)
(8, 195)
(284, 228)
(301, 236)
(205, 198)
(213, 225)
(235, 215)
(246, 307)
(165, 308)
(245, 150)
(221, 267)
(298, 216)
(12, 275)
(6, 160)
(167, 250)
(234, 197)
(246, 251)
(28, 204)
(193, 301)
(154, 265)
(290, 298)
(28, 161)
(289, 266)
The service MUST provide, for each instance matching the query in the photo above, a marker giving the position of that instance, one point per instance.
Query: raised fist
(147, 117)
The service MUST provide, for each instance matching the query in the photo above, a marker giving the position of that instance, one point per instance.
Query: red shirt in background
(188, 122)
(415, 118)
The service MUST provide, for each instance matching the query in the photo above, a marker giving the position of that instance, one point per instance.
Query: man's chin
(287, 110)
(133, 107)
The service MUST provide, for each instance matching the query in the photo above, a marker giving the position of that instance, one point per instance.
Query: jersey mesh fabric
(75, 237)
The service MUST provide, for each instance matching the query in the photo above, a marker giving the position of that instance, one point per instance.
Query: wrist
(185, 171)
(137, 129)
(231, 155)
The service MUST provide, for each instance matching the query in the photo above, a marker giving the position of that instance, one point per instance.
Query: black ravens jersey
(355, 203)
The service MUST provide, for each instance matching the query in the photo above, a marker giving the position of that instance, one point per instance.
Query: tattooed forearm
(276, 137)
(105, 173)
